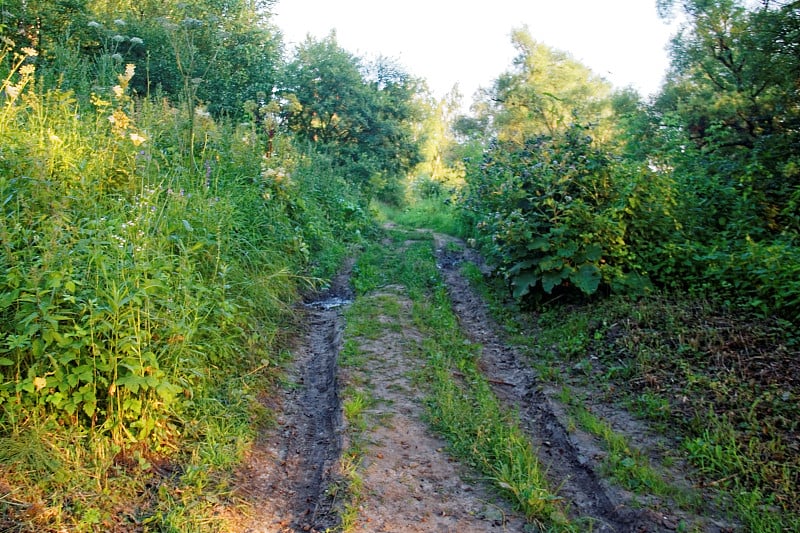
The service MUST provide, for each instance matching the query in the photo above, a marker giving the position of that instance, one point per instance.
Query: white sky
(468, 42)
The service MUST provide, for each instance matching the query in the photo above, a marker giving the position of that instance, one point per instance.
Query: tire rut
(515, 383)
(294, 464)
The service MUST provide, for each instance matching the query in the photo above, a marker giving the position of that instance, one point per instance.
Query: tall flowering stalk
(19, 76)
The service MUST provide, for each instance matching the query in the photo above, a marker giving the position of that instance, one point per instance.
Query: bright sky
(468, 42)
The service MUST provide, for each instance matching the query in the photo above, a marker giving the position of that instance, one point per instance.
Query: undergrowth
(145, 292)
(720, 379)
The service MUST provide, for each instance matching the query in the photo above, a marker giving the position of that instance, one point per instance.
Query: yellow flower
(120, 121)
(30, 52)
(118, 91)
(98, 102)
(27, 70)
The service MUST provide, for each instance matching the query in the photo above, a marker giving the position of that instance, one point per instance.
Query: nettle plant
(555, 212)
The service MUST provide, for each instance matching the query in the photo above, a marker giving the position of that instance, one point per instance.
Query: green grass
(431, 213)
(625, 464)
(460, 403)
(714, 377)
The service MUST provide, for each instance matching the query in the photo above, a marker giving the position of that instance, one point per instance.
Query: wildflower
(94, 24)
(30, 52)
(125, 78)
(27, 70)
(117, 57)
(7, 41)
(118, 38)
(137, 139)
(55, 139)
(120, 121)
(136, 40)
(202, 112)
(12, 91)
(119, 22)
(98, 102)
(118, 91)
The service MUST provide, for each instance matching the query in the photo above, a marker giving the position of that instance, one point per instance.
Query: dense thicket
(164, 196)
(698, 189)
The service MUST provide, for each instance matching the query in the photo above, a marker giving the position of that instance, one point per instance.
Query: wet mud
(293, 465)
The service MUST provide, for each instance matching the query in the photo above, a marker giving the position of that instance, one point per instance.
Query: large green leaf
(593, 252)
(553, 278)
(540, 243)
(586, 278)
(523, 283)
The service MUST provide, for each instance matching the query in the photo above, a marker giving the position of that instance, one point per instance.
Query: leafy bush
(134, 281)
(560, 212)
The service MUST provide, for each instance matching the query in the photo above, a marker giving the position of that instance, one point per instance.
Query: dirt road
(406, 480)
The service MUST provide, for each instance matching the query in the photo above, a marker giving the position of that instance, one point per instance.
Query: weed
(689, 366)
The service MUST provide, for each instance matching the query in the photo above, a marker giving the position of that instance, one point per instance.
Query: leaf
(39, 383)
(593, 252)
(568, 249)
(524, 282)
(586, 278)
(539, 243)
(167, 391)
(131, 382)
(5, 361)
(188, 226)
(552, 279)
(552, 262)
(522, 265)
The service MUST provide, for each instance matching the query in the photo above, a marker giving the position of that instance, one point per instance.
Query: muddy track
(514, 382)
(409, 484)
(293, 466)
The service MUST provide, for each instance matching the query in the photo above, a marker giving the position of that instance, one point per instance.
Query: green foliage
(360, 114)
(561, 211)
(545, 93)
(139, 281)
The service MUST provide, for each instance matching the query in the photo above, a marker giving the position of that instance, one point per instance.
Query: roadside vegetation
(650, 248)
(160, 217)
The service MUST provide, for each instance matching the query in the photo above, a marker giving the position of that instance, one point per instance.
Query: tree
(362, 114)
(439, 161)
(545, 93)
(733, 91)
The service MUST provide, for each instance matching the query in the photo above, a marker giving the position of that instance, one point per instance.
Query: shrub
(560, 211)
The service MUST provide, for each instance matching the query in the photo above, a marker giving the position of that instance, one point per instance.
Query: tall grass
(137, 284)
